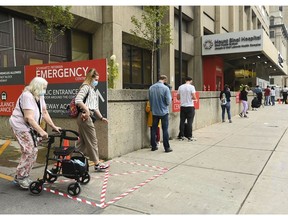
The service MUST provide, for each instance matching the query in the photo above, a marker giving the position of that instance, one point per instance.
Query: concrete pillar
(217, 19)
(167, 52)
(197, 60)
(241, 18)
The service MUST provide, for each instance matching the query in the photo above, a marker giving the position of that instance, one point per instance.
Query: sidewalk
(237, 168)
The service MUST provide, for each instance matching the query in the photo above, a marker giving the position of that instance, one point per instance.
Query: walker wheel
(85, 179)
(74, 189)
(36, 187)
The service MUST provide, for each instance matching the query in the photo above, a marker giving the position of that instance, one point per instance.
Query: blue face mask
(42, 93)
(94, 83)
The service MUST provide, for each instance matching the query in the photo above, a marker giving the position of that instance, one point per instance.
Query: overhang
(243, 49)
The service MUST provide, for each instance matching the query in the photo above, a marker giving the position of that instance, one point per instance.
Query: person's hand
(105, 120)
(43, 134)
(85, 116)
(57, 129)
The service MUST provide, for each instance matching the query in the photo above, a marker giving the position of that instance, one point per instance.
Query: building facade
(208, 34)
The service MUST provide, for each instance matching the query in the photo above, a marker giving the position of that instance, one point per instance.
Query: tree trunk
(49, 51)
(152, 67)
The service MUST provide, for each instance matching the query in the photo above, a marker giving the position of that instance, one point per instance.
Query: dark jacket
(243, 95)
(227, 94)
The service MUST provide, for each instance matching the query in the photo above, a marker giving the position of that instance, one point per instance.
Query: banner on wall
(237, 97)
(11, 86)
(176, 103)
(64, 80)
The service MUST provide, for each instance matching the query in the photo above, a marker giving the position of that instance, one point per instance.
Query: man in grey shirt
(160, 99)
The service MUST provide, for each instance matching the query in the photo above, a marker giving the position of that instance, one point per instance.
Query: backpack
(223, 99)
(72, 109)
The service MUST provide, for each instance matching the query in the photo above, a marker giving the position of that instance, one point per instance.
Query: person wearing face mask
(25, 121)
(88, 143)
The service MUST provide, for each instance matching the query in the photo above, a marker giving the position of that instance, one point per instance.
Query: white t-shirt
(27, 101)
(185, 91)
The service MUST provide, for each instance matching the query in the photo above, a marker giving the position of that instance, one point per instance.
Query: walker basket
(72, 168)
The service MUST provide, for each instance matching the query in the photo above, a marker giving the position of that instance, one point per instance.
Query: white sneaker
(23, 183)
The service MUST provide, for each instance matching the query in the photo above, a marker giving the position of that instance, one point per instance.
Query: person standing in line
(272, 95)
(225, 96)
(267, 96)
(259, 94)
(25, 121)
(244, 99)
(149, 123)
(284, 93)
(160, 99)
(88, 142)
(186, 95)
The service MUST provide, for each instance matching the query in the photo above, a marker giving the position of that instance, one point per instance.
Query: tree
(148, 29)
(50, 22)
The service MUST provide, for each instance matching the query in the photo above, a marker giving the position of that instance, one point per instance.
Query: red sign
(66, 72)
(176, 103)
(197, 102)
(238, 97)
(9, 95)
(64, 80)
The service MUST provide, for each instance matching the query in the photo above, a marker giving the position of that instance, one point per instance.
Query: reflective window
(80, 46)
(136, 67)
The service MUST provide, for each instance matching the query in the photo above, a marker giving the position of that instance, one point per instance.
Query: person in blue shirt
(160, 99)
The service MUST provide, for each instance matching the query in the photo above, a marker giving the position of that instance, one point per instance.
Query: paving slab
(185, 190)
(241, 160)
(250, 142)
(277, 166)
(269, 196)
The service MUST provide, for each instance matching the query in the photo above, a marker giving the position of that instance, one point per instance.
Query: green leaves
(146, 27)
(50, 22)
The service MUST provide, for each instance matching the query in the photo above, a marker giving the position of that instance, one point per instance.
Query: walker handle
(63, 134)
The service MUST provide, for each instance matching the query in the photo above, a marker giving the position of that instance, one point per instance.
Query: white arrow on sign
(99, 95)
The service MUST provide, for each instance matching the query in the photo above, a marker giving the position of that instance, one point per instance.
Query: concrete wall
(127, 129)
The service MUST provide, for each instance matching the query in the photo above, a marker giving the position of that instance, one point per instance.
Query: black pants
(186, 113)
(284, 97)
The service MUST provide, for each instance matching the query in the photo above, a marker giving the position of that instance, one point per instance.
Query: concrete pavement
(237, 168)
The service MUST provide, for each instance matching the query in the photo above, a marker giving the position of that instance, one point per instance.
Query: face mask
(43, 93)
(94, 83)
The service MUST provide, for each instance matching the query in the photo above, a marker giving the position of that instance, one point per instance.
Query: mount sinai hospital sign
(235, 42)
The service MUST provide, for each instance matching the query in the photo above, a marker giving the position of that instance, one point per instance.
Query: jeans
(245, 107)
(273, 100)
(186, 113)
(226, 107)
(165, 125)
(267, 100)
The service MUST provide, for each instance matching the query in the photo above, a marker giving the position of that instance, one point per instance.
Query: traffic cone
(66, 144)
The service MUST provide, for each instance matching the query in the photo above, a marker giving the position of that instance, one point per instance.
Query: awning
(243, 49)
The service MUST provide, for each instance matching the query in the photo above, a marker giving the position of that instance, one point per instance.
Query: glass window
(184, 73)
(272, 35)
(147, 66)
(33, 61)
(136, 67)
(5, 61)
(126, 55)
(80, 46)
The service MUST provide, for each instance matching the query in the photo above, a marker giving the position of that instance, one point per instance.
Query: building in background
(219, 44)
(279, 37)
